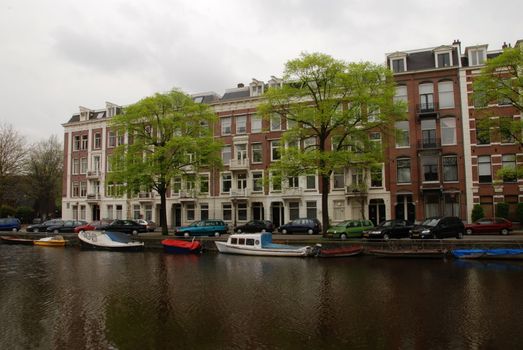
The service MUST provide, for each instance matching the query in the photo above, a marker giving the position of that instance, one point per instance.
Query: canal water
(55, 298)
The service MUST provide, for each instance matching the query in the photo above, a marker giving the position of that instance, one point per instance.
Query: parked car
(489, 225)
(65, 226)
(209, 227)
(397, 228)
(255, 226)
(150, 225)
(42, 227)
(304, 225)
(10, 224)
(349, 229)
(439, 227)
(93, 225)
(125, 226)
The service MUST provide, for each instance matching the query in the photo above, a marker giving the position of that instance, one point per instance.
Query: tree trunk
(325, 181)
(163, 209)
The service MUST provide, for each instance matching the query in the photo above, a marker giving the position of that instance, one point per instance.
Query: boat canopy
(118, 237)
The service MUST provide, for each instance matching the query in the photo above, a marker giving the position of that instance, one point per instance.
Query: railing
(427, 107)
(239, 163)
(190, 194)
(93, 174)
(429, 143)
(356, 189)
(242, 192)
(93, 197)
(291, 192)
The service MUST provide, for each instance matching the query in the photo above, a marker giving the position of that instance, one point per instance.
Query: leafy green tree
(169, 135)
(330, 107)
(13, 153)
(477, 212)
(501, 81)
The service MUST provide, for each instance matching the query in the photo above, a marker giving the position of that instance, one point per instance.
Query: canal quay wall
(152, 241)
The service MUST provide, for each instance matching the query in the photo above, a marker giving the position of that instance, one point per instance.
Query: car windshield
(196, 224)
(431, 222)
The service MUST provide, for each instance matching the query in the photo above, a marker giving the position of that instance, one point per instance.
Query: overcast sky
(57, 55)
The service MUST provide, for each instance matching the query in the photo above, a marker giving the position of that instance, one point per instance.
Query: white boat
(109, 240)
(260, 244)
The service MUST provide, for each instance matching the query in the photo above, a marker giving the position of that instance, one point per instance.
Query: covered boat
(54, 241)
(337, 252)
(260, 244)
(497, 253)
(178, 246)
(16, 240)
(409, 253)
(109, 240)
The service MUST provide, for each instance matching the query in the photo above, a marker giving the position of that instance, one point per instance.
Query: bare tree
(12, 158)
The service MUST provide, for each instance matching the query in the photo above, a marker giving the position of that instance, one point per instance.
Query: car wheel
(135, 232)
(504, 232)
(36, 230)
(386, 236)
(238, 231)
(310, 231)
(263, 230)
(14, 229)
(343, 236)
(459, 235)
(216, 234)
(468, 231)
(186, 234)
(284, 232)
(55, 231)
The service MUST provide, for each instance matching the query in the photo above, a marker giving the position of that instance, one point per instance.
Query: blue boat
(497, 253)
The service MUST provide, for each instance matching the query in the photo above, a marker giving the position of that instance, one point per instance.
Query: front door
(177, 215)
(376, 211)
(277, 214)
(96, 212)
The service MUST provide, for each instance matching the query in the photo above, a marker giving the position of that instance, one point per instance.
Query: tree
(45, 170)
(12, 159)
(330, 107)
(477, 212)
(501, 81)
(169, 135)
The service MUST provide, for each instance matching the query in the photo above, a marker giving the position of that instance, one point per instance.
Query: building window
(338, 179)
(76, 143)
(451, 204)
(483, 131)
(83, 189)
(275, 122)
(446, 94)
(190, 211)
(430, 168)
(97, 140)
(443, 60)
(484, 169)
(257, 153)
(311, 182)
(110, 214)
(241, 124)
(339, 210)
(76, 166)
(227, 211)
(312, 211)
(401, 96)
(293, 182)
(177, 185)
(432, 204)
(257, 182)
(403, 170)
(402, 134)
(242, 211)
(76, 189)
(357, 176)
(83, 165)
(476, 57)
(240, 151)
(275, 150)
(509, 167)
(226, 125)
(309, 144)
(376, 176)
(82, 212)
(294, 210)
(450, 168)
(118, 212)
(136, 212)
(226, 155)
(505, 130)
(257, 211)
(275, 182)
(149, 212)
(398, 65)
(256, 123)
(426, 97)
(241, 181)
(428, 133)
(226, 183)
(204, 211)
(448, 131)
(85, 141)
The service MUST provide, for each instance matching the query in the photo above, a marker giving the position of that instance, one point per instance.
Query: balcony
(356, 190)
(187, 196)
(292, 193)
(429, 144)
(145, 197)
(93, 197)
(93, 174)
(239, 164)
(241, 193)
(427, 109)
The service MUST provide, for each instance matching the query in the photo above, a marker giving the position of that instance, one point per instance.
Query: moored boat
(496, 253)
(178, 246)
(260, 244)
(16, 240)
(338, 252)
(54, 241)
(409, 253)
(109, 240)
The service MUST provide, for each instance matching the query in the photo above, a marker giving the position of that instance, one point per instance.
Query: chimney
(240, 85)
(504, 45)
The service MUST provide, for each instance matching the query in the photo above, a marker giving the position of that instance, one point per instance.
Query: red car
(489, 225)
(94, 225)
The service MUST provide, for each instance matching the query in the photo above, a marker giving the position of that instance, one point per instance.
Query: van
(10, 224)
(439, 227)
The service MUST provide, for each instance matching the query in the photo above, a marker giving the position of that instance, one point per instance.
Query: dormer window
(443, 56)
(256, 87)
(84, 114)
(198, 99)
(275, 83)
(111, 109)
(398, 62)
(477, 56)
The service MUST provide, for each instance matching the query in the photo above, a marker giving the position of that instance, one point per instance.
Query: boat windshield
(431, 222)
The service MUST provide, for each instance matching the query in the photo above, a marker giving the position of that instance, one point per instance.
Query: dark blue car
(10, 224)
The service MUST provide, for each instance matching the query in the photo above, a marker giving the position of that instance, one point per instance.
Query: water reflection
(66, 298)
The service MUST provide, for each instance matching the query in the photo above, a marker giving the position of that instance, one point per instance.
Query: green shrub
(477, 212)
(25, 214)
(502, 210)
(6, 210)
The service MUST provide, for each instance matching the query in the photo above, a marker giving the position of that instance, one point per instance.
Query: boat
(54, 241)
(178, 246)
(16, 240)
(337, 252)
(409, 253)
(109, 240)
(497, 253)
(260, 244)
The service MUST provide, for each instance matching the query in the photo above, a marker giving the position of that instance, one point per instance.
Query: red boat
(338, 252)
(16, 240)
(178, 246)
